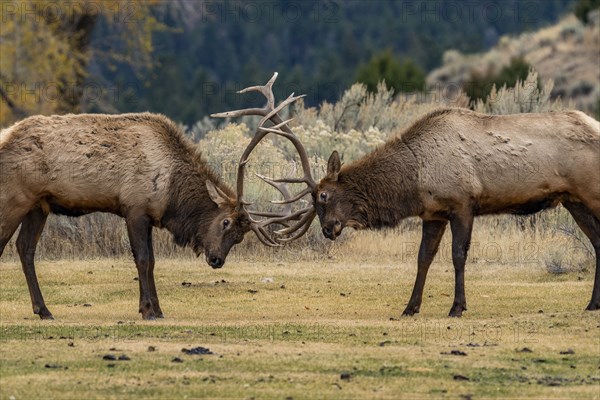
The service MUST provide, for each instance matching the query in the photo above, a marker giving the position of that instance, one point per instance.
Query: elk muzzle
(214, 260)
(332, 229)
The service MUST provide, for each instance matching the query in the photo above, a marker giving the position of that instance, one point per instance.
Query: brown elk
(137, 166)
(453, 165)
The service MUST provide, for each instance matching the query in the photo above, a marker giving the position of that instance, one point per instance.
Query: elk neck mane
(189, 208)
(382, 185)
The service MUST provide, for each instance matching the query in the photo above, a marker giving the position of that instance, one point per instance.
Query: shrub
(480, 87)
(401, 76)
(583, 7)
(525, 97)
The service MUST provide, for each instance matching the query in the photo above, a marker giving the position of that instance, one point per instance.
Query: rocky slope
(568, 53)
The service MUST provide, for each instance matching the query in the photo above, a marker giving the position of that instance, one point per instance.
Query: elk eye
(323, 196)
(226, 223)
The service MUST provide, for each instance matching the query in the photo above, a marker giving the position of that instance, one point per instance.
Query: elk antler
(280, 127)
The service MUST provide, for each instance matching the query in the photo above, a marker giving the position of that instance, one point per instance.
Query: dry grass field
(302, 324)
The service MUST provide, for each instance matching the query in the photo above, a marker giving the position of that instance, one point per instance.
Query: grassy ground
(314, 328)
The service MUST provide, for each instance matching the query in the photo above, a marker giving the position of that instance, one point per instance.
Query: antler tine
(301, 226)
(307, 178)
(275, 128)
(238, 113)
(285, 218)
(307, 215)
(273, 217)
(263, 237)
(261, 222)
(296, 197)
(298, 235)
(283, 189)
(281, 219)
(266, 90)
(267, 214)
(290, 99)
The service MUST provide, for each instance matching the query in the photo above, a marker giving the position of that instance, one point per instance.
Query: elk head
(332, 203)
(227, 228)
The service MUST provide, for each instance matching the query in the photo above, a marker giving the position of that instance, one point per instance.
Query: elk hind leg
(151, 283)
(590, 225)
(433, 231)
(138, 228)
(29, 235)
(461, 226)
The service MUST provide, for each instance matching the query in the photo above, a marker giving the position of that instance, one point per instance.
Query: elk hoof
(157, 311)
(594, 305)
(147, 311)
(44, 313)
(409, 311)
(457, 310)
(148, 314)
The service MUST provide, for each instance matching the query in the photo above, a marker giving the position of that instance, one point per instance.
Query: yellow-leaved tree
(45, 50)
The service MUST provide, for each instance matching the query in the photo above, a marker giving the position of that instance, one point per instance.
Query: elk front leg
(31, 230)
(153, 294)
(433, 231)
(461, 226)
(590, 225)
(138, 228)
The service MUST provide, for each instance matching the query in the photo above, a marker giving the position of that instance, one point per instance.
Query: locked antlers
(304, 216)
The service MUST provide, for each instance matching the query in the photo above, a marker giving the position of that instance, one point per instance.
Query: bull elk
(453, 165)
(137, 166)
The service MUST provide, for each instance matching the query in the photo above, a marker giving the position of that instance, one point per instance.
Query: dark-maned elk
(137, 166)
(453, 165)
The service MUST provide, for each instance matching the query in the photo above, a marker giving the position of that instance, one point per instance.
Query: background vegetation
(46, 50)
(583, 8)
(186, 58)
(566, 52)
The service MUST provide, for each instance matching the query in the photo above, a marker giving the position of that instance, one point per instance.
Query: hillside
(211, 49)
(567, 52)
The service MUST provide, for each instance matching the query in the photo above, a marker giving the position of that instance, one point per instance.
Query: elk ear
(216, 194)
(333, 166)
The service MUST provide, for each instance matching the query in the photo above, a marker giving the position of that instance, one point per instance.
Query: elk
(451, 166)
(137, 166)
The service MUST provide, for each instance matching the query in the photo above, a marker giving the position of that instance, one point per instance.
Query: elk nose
(337, 226)
(215, 262)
